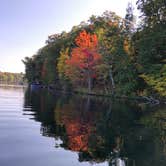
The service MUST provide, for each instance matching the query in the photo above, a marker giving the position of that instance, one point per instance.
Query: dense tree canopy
(107, 54)
(149, 41)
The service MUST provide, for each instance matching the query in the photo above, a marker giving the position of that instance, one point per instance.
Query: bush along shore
(107, 56)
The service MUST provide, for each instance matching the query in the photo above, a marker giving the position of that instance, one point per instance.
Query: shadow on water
(100, 129)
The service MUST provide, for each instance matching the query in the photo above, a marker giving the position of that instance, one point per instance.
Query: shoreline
(141, 99)
(13, 86)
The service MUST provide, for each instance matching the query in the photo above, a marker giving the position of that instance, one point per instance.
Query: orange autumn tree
(84, 59)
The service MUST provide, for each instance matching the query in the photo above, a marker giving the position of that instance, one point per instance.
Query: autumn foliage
(84, 58)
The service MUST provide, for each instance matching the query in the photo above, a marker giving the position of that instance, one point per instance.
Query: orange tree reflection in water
(98, 129)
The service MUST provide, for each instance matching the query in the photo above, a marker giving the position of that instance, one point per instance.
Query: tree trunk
(87, 105)
(89, 84)
(112, 81)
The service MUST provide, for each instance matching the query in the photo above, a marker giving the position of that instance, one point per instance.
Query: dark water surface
(44, 129)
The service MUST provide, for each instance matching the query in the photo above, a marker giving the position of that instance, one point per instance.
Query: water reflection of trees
(98, 129)
(157, 120)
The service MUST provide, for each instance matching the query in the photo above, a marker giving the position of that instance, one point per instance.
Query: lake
(41, 128)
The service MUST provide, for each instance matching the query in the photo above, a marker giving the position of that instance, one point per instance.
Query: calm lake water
(43, 129)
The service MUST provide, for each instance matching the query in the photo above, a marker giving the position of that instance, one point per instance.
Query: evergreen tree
(129, 20)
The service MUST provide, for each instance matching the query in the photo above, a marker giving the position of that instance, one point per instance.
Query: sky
(26, 24)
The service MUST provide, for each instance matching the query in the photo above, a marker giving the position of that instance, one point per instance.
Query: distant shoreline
(13, 86)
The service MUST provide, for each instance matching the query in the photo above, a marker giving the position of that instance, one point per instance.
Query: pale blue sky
(26, 24)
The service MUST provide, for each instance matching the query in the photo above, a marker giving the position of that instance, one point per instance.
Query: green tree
(29, 69)
(129, 20)
(153, 12)
(149, 43)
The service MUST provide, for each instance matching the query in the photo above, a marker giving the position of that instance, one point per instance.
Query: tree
(119, 69)
(150, 38)
(29, 69)
(129, 30)
(129, 20)
(84, 58)
(62, 68)
(153, 12)
(149, 41)
(61, 65)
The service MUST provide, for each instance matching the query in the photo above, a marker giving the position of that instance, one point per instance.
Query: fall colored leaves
(81, 63)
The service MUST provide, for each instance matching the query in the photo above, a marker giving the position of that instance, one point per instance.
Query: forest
(107, 54)
(11, 78)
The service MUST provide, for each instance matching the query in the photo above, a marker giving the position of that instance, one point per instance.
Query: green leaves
(124, 55)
